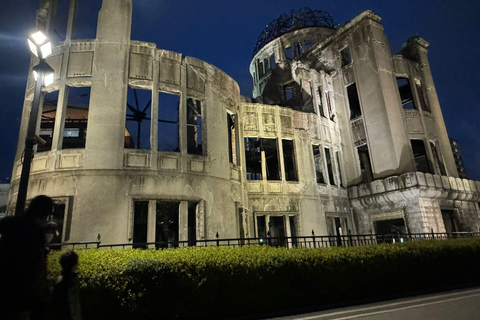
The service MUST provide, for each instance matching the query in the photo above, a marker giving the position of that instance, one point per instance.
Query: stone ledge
(430, 186)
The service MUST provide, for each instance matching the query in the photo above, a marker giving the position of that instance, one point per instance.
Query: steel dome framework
(303, 18)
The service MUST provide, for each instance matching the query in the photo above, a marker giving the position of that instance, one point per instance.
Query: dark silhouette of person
(65, 304)
(23, 264)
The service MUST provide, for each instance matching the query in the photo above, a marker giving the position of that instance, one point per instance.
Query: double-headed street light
(41, 47)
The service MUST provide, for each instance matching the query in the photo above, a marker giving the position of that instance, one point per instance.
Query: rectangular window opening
(269, 146)
(289, 161)
(58, 218)
(278, 232)
(47, 123)
(167, 224)
(290, 91)
(168, 126)
(293, 230)
(320, 103)
(261, 227)
(261, 71)
(273, 63)
(354, 102)
(337, 156)
(60, 24)
(289, 53)
(406, 96)
(76, 118)
(194, 127)
(266, 65)
(192, 223)
(232, 138)
(317, 159)
(420, 155)
(253, 159)
(331, 116)
(86, 17)
(345, 56)
(138, 119)
(421, 96)
(298, 49)
(140, 222)
(328, 157)
(365, 165)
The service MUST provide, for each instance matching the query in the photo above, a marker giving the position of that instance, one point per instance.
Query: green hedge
(219, 282)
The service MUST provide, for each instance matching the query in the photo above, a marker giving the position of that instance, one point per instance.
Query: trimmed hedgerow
(219, 282)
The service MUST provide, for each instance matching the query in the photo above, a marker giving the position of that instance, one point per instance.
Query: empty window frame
(261, 227)
(289, 160)
(86, 16)
(328, 98)
(168, 126)
(60, 23)
(272, 167)
(365, 164)
(320, 102)
(273, 63)
(261, 71)
(167, 224)
(289, 53)
(330, 164)
(345, 56)
(76, 118)
(253, 159)
(420, 155)
(194, 127)
(421, 95)
(47, 122)
(338, 157)
(290, 91)
(140, 224)
(354, 102)
(318, 161)
(298, 49)
(138, 120)
(266, 65)
(406, 96)
(232, 138)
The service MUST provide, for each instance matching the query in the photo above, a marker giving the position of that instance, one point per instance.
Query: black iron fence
(312, 241)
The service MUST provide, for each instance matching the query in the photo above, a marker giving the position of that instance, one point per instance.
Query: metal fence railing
(312, 241)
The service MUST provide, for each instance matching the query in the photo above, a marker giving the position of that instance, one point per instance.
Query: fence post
(99, 240)
(218, 242)
(313, 238)
(433, 234)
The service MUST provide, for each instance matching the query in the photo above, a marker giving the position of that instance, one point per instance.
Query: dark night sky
(223, 33)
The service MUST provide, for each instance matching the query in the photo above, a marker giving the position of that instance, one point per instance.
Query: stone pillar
(419, 49)
(381, 109)
(106, 119)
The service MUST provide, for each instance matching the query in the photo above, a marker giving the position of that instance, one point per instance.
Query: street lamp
(41, 47)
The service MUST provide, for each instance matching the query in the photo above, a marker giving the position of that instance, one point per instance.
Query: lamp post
(41, 47)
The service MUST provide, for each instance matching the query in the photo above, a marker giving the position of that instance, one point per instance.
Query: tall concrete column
(420, 49)
(381, 109)
(108, 96)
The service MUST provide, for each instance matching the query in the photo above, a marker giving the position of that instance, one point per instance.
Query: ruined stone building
(340, 136)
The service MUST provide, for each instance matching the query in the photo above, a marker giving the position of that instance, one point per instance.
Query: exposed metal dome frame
(304, 18)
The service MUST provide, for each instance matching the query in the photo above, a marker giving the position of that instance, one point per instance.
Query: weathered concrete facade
(332, 148)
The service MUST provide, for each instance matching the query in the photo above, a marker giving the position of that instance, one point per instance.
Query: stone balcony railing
(428, 185)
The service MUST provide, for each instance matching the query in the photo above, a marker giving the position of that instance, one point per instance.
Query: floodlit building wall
(329, 145)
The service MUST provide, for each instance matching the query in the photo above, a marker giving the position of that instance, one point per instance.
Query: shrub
(219, 282)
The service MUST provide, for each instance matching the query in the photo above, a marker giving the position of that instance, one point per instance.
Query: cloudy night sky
(223, 33)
